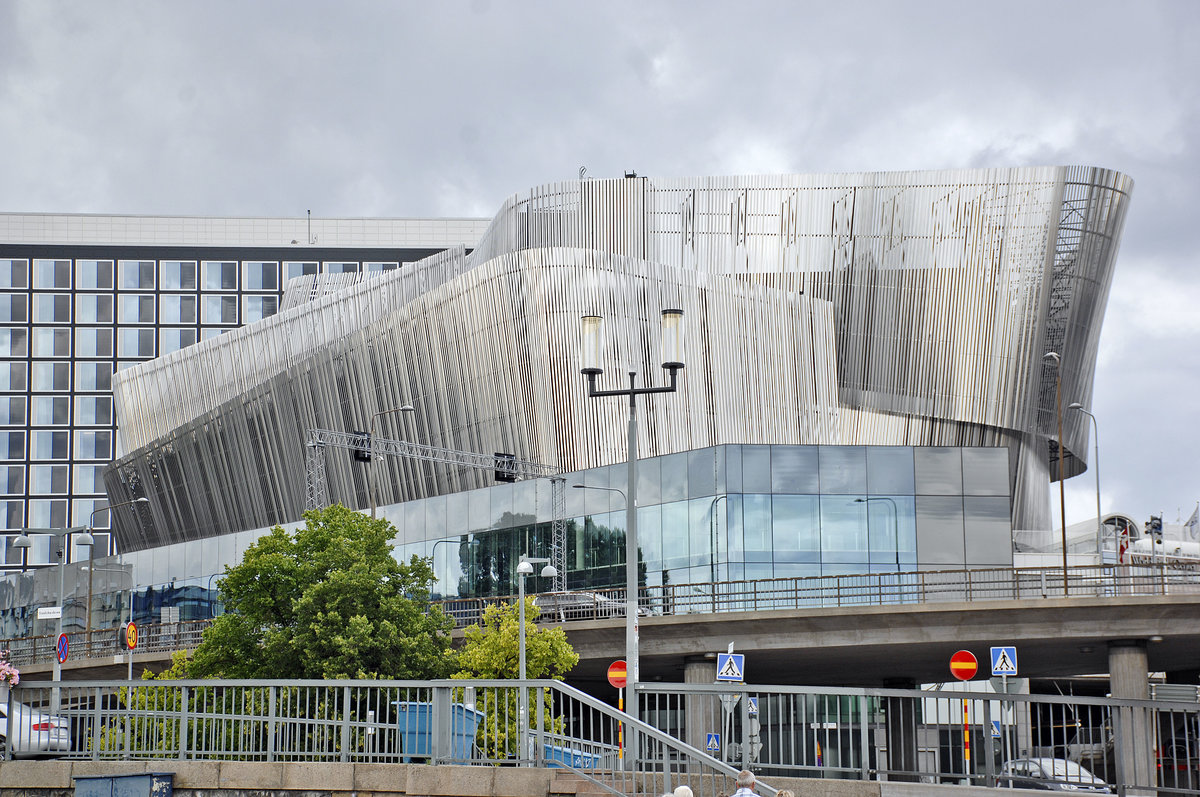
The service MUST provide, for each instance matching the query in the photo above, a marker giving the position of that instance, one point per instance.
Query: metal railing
(695, 734)
(870, 589)
(504, 723)
(107, 642)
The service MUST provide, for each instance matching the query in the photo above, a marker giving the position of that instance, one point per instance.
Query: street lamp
(525, 568)
(472, 543)
(92, 553)
(83, 538)
(1075, 405)
(129, 572)
(672, 361)
(895, 523)
(1056, 361)
(371, 444)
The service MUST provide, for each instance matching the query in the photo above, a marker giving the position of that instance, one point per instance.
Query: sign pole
(621, 725)
(967, 739)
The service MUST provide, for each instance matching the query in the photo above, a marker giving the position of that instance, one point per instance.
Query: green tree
(491, 651)
(329, 601)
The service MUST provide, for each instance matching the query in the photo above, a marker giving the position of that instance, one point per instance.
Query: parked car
(565, 606)
(32, 732)
(1054, 774)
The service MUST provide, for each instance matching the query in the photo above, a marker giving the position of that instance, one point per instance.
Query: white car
(563, 606)
(32, 732)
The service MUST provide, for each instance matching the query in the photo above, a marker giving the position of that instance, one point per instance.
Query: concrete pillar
(1128, 673)
(702, 713)
(900, 725)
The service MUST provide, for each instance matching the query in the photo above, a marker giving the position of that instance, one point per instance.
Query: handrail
(788, 592)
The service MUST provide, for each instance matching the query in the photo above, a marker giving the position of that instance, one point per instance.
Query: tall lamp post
(1056, 361)
(524, 569)
(82, 538)
(92, 553)
(371, 464)
(1075, 405)
(895, 522)
(672, 361)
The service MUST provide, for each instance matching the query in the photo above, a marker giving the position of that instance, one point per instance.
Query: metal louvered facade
(903, 308)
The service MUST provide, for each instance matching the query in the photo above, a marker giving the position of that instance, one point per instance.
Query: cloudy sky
(446, 108)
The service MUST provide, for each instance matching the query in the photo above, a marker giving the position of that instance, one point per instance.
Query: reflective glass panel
(938, 471)
(844, 536)
(940, 530)
(796, 528)
(843, 470)
(988, 530)
(795, 469)
(179, 275)
(985, 471)
(94, 274)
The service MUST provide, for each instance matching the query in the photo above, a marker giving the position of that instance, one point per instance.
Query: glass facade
(727, 513)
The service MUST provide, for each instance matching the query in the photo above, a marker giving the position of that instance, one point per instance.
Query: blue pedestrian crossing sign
(1004, 660)
(713, 743)
(995, 729)
(752, 706)
(731, 667)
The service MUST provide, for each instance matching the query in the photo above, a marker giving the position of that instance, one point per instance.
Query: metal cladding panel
(907, 308)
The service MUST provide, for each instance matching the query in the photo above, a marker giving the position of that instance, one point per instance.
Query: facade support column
(1129, 679)
(701, 713)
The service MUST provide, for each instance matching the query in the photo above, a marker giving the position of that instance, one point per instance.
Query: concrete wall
(258, 779)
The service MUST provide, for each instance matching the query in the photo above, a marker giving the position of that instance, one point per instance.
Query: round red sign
(617, 674)
(963, 665)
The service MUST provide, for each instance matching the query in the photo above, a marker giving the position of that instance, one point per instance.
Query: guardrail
(870, 589)
(690, 733)
(477, 722)
(107, 642)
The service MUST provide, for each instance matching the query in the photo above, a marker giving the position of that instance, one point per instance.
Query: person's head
(682, 791)
(785, 793)
(745, 779)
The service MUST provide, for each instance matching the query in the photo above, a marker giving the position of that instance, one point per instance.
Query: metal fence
(944, 736)
(107, 642)
(868, 589)
(696, 734)
(499, 723)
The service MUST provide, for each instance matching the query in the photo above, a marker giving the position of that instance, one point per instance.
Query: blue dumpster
(140, 784)
(414, 721)
(571, 756)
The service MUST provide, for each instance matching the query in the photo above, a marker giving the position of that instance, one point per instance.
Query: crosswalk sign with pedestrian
(713, 743)
(1004, 660)
(731, 667)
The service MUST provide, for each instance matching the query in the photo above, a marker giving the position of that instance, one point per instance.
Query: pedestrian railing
(107, 642)
(869, 589)
(695, 734)
(443, 722)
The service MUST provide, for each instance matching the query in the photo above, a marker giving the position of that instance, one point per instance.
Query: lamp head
(549, 571)
(1051, 357)
(1074, 405)
(672, 339)
(84, 538)
(24, 541)
(524, 569)
(592, 327)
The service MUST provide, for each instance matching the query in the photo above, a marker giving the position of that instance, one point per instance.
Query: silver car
(1052, 774)
(563, 606)
(28, 732)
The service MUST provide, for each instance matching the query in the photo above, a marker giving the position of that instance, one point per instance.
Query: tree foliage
(329, 601)
(491, 651)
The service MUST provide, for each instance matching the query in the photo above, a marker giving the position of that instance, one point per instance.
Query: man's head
(745, 779)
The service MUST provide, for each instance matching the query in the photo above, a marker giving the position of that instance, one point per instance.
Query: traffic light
(363, 454)
(504, 467)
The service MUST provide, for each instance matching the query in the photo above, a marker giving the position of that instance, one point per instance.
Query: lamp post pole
(1096, 447)
(525, 568)
(1054, 359)
(592, 327)
(895, 522)
(65, 535)
(92, 552)
(371, 444)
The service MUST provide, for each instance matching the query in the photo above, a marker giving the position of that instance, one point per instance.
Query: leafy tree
(329, 602)
(491, 651)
